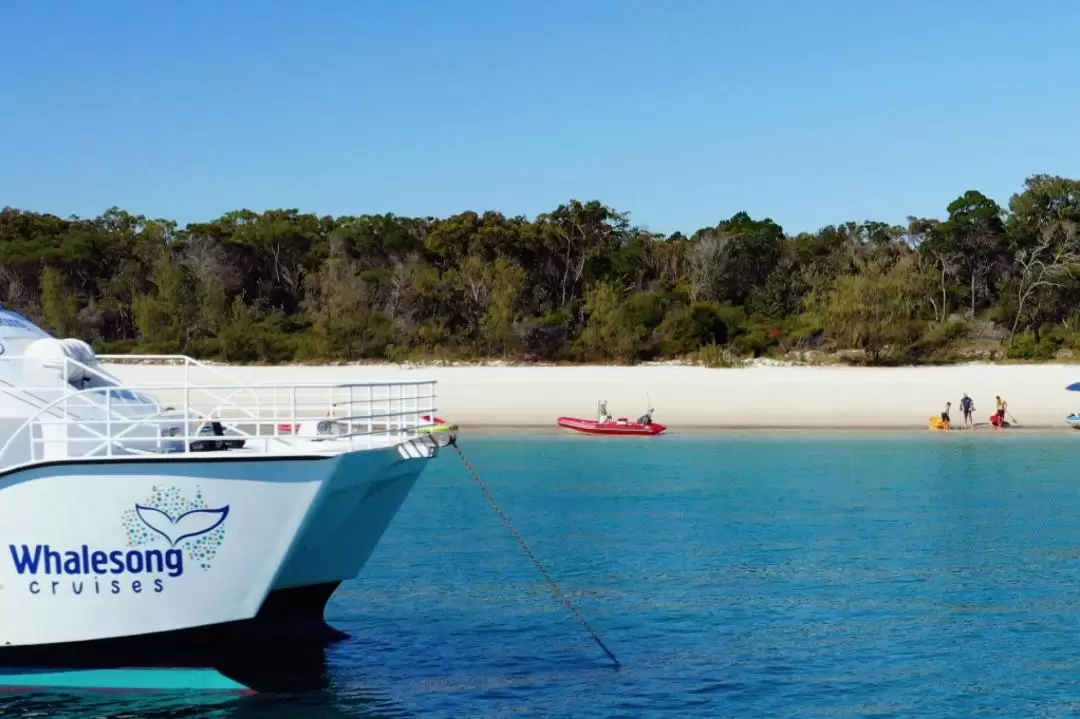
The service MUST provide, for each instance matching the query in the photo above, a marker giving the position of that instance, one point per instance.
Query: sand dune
(825, 397)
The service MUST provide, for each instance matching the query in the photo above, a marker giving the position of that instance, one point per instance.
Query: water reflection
(292, 682)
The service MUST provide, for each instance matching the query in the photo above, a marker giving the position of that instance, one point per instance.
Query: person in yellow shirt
(1002, 405)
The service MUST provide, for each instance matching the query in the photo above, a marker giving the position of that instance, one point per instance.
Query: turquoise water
(743, 575)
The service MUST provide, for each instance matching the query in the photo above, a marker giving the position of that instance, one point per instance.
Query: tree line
(578, 284)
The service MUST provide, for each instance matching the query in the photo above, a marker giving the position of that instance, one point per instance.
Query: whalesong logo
(167, 533)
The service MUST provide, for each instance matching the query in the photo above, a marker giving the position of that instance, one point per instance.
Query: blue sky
(680, 112)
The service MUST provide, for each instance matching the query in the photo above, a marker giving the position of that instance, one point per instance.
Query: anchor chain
(521, 540)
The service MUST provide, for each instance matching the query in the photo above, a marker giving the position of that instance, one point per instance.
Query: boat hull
(153, 546)
(614, 429)
(284, 644)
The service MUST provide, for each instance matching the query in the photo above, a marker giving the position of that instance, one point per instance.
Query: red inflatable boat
(618, 427)
(605, 424)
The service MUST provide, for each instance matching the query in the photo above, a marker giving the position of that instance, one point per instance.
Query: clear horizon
(681, 115)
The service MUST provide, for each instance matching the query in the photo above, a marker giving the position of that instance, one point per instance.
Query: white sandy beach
(764, 397)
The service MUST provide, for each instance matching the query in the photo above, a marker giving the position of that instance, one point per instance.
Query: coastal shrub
(803, 331)
(714, 356)
(761, 335)
(118, 347)
(1026, 347)
(646, 310)
(544, 338)
(756, 340)
(941, 341)
(688, 327)
(676, 335)
(259, 334)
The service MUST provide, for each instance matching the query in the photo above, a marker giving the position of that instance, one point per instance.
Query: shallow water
(741, 575)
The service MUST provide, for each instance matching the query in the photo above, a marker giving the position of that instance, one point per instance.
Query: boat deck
(200, 408)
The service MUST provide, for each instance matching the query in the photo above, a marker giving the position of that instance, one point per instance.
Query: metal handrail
(22, 393)
(397, 414)
(188, 362)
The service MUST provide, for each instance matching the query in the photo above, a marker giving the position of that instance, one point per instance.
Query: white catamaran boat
(146, 523)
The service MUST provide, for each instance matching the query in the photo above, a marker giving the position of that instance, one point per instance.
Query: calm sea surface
(742, 575)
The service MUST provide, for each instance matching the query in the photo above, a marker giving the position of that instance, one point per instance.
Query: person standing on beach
(945, 416)
(1002, 405)
(967, 406)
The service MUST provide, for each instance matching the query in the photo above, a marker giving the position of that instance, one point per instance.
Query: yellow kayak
(938, 423)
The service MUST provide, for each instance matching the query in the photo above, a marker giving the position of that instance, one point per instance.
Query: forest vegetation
(578, 284)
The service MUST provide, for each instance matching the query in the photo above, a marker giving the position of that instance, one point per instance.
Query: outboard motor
(215, 429)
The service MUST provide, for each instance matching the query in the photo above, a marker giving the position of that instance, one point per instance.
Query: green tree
(507, 282)
(345, 325)
(59, 306)
(880, 310)
(1041, 269)
(608, 332)
(165, 319)
(973, 238)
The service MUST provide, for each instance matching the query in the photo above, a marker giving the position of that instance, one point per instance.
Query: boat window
(126, 395)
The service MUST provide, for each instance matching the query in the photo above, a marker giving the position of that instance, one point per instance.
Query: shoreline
(693, 398)
(719, 430)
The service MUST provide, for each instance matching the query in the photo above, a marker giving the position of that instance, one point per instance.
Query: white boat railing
(243, 398)
(277, 418)
(188, 365)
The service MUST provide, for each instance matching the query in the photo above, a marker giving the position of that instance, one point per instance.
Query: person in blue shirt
(967, 406)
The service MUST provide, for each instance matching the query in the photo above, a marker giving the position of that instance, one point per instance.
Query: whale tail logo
(193, 523)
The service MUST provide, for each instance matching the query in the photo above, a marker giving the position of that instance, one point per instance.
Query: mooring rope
(521, 540)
